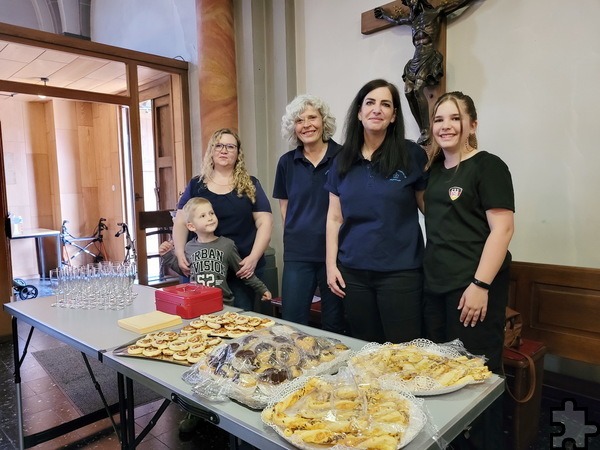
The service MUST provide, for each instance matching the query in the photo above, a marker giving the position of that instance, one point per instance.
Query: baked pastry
(135, 350)
(421, 364)
(336, 412)
(172, 346)
(269, 357)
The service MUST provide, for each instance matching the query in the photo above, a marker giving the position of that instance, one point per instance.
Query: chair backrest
(161, 220)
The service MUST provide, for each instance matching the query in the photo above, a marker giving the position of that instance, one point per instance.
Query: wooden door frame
(132, 59)
(5, 262)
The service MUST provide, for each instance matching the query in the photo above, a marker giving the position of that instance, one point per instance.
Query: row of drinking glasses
(104, 285)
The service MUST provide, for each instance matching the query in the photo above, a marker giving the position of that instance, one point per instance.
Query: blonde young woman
(469, 207)
(241, 205)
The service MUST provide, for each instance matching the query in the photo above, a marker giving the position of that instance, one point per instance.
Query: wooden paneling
(560, 306)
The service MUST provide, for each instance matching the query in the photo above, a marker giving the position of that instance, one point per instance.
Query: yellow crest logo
(454, 192)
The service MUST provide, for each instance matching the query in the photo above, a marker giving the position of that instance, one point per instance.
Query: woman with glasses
(299, 185)
(241, 205)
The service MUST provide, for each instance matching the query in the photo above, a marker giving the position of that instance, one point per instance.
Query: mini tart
(236, 333)
(178, 345)
(152, 352)
(197, 323)
(166, 335)
(195, 339)
(134, 350)
(188, 329)
(167, 352)
(254, 321)
(214, 341)
(160, 343)
(144, 342)
(198, 348)
(222, 332)
(193, 358)
(213, 325)
(180, 356)
(267, 322)
(242, 320)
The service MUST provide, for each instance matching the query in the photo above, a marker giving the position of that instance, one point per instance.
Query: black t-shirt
(456, 201)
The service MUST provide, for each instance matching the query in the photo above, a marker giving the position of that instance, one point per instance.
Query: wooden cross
(423, 74)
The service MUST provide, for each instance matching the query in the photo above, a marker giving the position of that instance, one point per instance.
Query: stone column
(216, 67)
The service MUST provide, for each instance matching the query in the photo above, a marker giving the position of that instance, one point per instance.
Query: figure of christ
(426, 67)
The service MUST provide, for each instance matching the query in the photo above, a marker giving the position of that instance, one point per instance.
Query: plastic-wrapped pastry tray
(420, 366)
(337, 412)
(252, 368)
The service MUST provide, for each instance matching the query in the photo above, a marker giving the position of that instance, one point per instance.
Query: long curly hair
(465, 105)
(392, 154)
(242, 183)
(297, 107)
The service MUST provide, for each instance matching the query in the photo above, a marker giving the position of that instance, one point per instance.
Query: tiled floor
(44, 406)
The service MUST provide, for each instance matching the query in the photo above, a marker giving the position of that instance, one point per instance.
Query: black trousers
(384, 306)
(486, 338)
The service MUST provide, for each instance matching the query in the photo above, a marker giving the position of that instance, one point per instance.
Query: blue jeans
(299, 283)
(243, 295)
(384, 306)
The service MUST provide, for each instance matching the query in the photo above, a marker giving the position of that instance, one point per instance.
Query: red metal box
(189, 300)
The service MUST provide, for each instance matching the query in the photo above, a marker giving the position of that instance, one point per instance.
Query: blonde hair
(192, 206)
(242, 183)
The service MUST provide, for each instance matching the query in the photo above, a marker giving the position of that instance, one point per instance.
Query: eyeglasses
(229, 147)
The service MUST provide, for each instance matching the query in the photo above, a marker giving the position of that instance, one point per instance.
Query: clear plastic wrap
(420, 366)
(253, 368)
(342, 412)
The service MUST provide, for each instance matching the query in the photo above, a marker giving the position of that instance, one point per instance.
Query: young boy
(210, 256)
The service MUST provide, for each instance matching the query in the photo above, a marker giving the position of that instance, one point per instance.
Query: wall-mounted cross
(423, 74)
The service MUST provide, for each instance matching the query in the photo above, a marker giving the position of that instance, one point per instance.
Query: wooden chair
(158, 223)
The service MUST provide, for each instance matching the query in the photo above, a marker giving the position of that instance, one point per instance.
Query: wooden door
(164, 154)
(5, 263)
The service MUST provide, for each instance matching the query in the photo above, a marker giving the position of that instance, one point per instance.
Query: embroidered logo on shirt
(398, 176)
(454, 192)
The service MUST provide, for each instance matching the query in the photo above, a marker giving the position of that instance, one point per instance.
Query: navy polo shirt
(380, 229)
(235, 214)
(301, 183)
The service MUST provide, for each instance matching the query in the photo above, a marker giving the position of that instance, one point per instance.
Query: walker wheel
(27, 292)
(19, 283)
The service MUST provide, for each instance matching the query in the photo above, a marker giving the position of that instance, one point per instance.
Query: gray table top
(97, 333)
(35, 233)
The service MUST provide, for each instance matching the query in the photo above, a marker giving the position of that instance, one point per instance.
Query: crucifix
(423, 74)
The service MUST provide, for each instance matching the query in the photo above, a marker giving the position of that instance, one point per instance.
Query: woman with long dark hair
(374, 241)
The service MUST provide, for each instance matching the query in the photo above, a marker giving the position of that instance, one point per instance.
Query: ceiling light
(45, 80)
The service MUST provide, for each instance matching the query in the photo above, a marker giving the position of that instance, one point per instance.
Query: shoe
(189, 424)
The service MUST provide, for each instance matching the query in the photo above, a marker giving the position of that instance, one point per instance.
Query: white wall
(161, 27)
(531, 67)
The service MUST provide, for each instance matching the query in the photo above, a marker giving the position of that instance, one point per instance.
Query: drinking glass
(57, 287)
